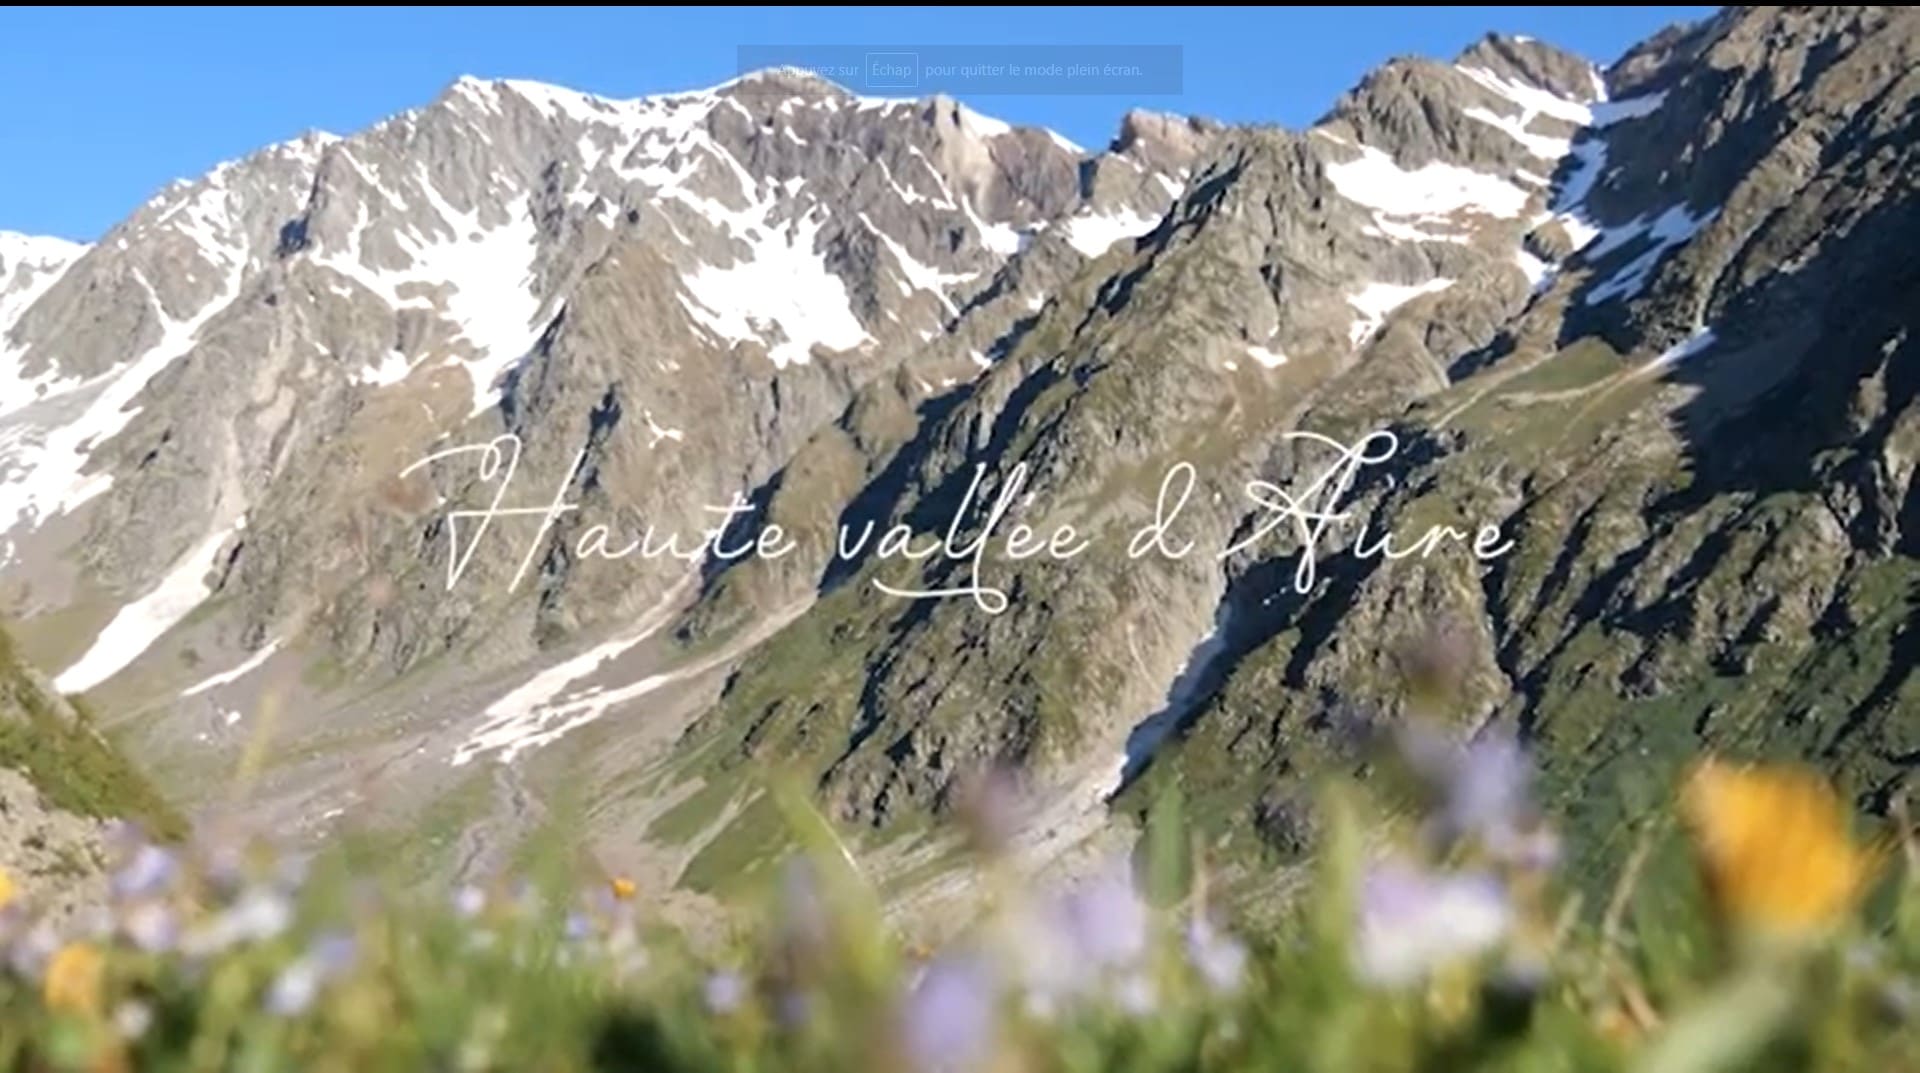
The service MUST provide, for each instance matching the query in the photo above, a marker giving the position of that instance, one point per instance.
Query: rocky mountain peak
(1587, 307)
(29, 265)
(1530, 62)
(1638, 69)
(1162, 138)
(783, 83)
(452, 264)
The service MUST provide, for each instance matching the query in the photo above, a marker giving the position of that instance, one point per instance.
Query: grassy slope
(72, 764)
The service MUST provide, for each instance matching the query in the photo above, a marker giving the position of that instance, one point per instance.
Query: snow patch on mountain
(1003, 239)
(917, 275)
(774, 288)
(1095, 233)
(37, 251)
(521, 719)
(1268, 357)
(1413, 203)
(1588, 163)
(1374, 180)
(206, 220)
(1538, 272)
(248, 666)
(781, 294)
(508, 717)
(479, 279)
(1376, 301)
(666, 144)
(1700, 340)
(139, 624)
(392, 368)
(43, 466)
(983, 126)
(1608, 112)
(1540, 145)
(1663, 233)
(1532, 100)
(1533, 103)
(29, 266)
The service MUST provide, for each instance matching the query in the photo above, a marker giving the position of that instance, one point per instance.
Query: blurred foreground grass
(1435, 936)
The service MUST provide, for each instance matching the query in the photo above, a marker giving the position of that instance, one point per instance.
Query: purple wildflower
(1074, 943)
(1050, 966)
(805, 925)
(147, 872)
(1135, 994)
(1412, 921)
(225, 868)
(293, 991)
(292, 871)
(151, 926)
(1220, 959)
(1490, 787)
(794, 1009)
(578, 926)
(335, 951)
(261, 913)
(30, 952)
(947, 1023)
(1107, 919)
(469, 901)
(723, 992)
(132, 1018)
(1482, 791)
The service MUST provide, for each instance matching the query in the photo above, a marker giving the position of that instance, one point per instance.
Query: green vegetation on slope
(54, 742)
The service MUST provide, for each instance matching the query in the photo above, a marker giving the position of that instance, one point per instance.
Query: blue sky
(98, 110)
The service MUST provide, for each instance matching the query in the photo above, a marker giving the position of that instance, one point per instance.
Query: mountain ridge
(1566, 289)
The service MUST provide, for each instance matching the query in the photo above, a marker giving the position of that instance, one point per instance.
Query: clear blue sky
(100, 109)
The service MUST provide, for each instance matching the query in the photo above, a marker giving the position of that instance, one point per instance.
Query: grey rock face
(1526, 269)
(1290, 274)
(54, 858)
(210, 410)
(1589, 303)
(711, 274)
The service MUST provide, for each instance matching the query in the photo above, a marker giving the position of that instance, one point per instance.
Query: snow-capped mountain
(427, 270)
(1575, 293)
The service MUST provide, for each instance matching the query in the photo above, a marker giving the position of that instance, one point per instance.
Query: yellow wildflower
(72, 984)
(624, 888)
(1619, 1027)
(7, 890)
(1773, 846)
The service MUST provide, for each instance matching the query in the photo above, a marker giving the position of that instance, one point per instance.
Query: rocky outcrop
(55, 860)
(222, 393)
(1649, 323)
(1591, 327)
(61, 785)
